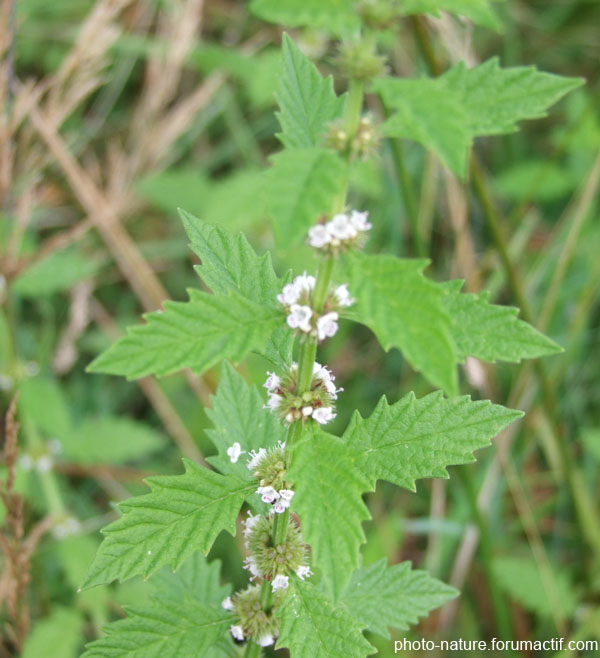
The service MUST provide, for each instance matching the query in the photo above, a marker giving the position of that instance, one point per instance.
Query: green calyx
(358, 60)
(255, 621)
(283, 558)
(271, 468)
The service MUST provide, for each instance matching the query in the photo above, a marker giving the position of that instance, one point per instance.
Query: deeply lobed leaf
(312, 627)
(230, 264)
(329, 488)
(195, 334)
(163, 629)
(405, 310)
(379, 597)
(181, 515)
(237, 415)
(484, 100)
(417, 438)
(491, 332)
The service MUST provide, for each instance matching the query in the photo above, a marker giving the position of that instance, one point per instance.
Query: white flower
(267, 494)
(304, 283)
(343, 296)
(237, 632)
(273, 402)
(359, 220)
(280, 582)
(280, 506)
(251, 566)
(327, 325)
(289, 295)
(286, 494)
(256, 457)
(303, 572)
(266, 640)
(299, 317)
(234, 452)
(227, 603)
(318, 236)
(307, 411)
(323, 415)
(273, 382)
(340, 228)
(249, 523)
(289, 417)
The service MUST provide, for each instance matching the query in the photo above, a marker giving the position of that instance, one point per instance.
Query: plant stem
(253, 650)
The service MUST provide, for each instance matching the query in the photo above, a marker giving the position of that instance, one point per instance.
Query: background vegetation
(115, 113)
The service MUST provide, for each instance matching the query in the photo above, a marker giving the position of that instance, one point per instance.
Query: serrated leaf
(195, 334)
(61, 631)
(162, 629)
(380, 597)
(303, 184)
(520, 577)
(418, 438)
(229, 263)
(484, 100)
(182, 514)
(306, 100)
(312, 627)
(110, 440)
(329, 485)
(428, 113)
(336, 16)
(57, 272)
(405, 310)
(495, 99)
(197, 579)
(237, 415)
(491, 332)
(479, 11)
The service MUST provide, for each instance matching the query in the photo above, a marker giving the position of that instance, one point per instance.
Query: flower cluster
(252, 620)
(363, 144)
(296, 299)
(274, 562)
(269, 467)
(316, 403)
(344, 231)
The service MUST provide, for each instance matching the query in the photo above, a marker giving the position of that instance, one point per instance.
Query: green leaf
(237, 415)
(490, 332)
(230, 264)
(496, 99)
(329, 486)
(110, 440)
(162, 629)
(307, 100)
(521, 578)
(61, 632)
(418, 438)
(428, 113)
(479, 11)
(182, 514)
(303, 184)
(335, 16)
(379, 597)
(485, 100)
(312, 627)
(195, 334)
(405, 310)
(198, 579)
(59, 271)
